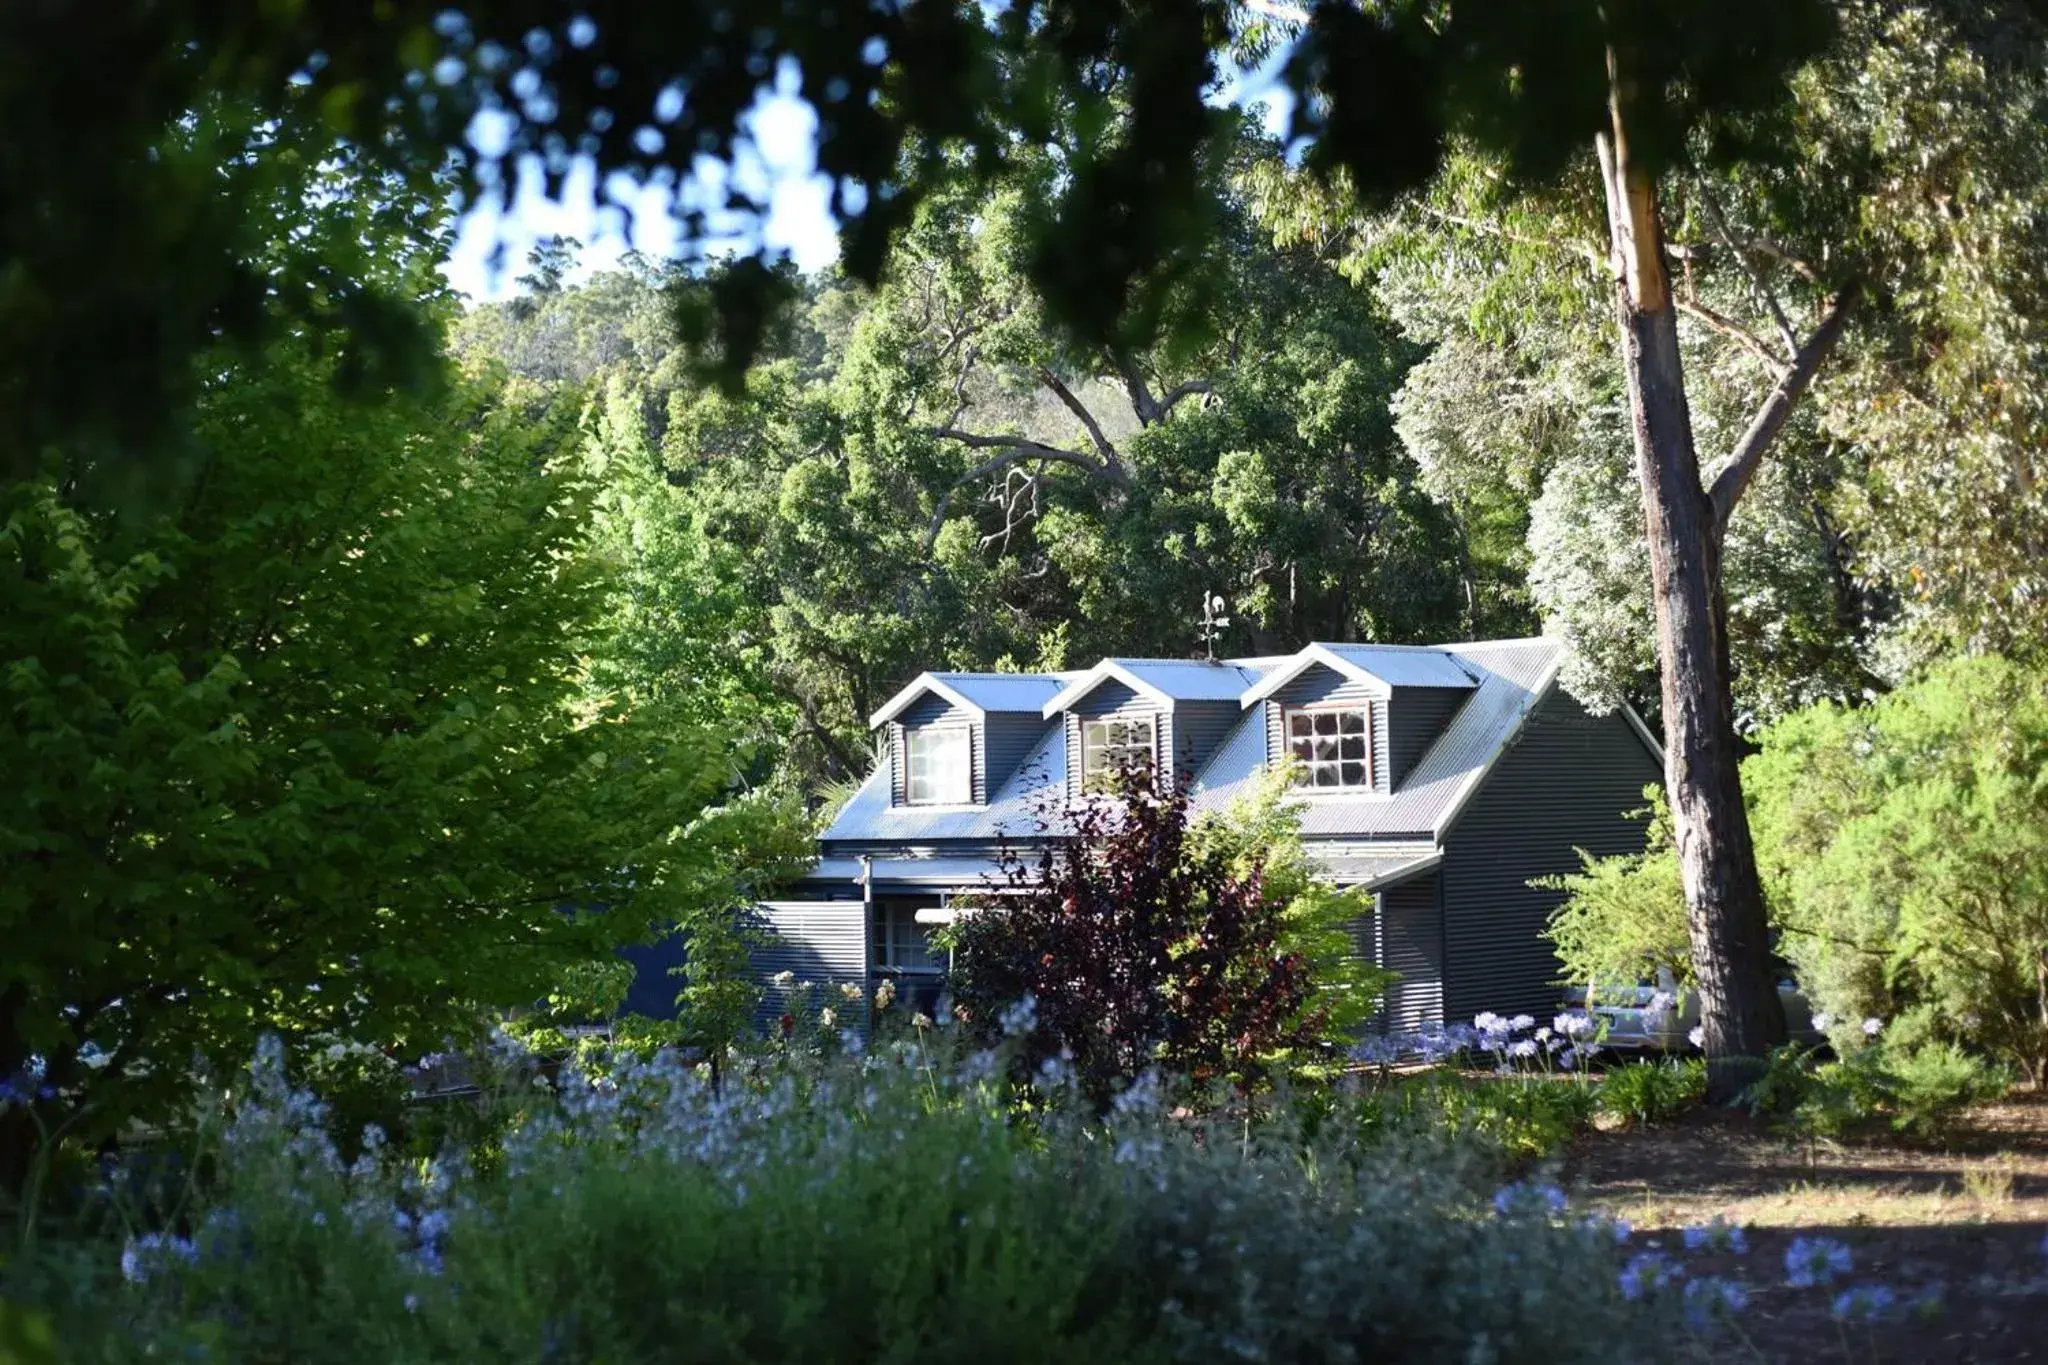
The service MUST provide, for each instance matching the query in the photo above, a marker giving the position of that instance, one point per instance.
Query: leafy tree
(1142, 950)
(336, 746)
(1259, 835)
(1622, 919)
(1907, 847)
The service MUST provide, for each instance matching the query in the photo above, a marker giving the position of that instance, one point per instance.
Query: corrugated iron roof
(1164, 680)
(1512, 676)
(979, 692)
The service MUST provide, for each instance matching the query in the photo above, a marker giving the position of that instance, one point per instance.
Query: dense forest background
(1402, 426)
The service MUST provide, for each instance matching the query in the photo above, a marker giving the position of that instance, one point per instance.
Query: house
(1440, 779)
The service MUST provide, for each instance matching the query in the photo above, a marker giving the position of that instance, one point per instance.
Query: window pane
(1326, 722)
(1352, 722)
(1303, 749)
(936, 765)
(1326, 750)
(1300, 723)
(1354, 774)
(1326, 776)
(1352, 746)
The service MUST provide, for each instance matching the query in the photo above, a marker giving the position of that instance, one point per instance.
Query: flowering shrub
(859, 1208)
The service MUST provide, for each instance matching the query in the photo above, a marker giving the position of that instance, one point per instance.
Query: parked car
(1634, 1024)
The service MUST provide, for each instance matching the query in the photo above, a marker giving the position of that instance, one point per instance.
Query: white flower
(885, 993)
(783, 980)
(921, 1020)
(851, 992)
(825, 1017)
(1872, 1027)
(1698, 1037)
(1823, 1021)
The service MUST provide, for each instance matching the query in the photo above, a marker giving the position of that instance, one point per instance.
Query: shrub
(1622, 919)
(1906, 847)
(861, 1210)
(1651, 1092)
(1139, 949)
(1511, 1118)
(1918, 1089)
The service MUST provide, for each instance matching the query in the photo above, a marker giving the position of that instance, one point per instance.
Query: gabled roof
(1165, 681)
(1379, 667)
(1513, 676)
(977, 693)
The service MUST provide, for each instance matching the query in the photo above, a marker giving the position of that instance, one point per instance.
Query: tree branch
(1015, 450)
(1491, 229)
(1756, 279)
(1180, 391)
(1080, 410)
(1770, 418)
(1728, 327)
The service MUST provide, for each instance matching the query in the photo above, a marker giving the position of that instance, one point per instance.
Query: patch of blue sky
(775, 163)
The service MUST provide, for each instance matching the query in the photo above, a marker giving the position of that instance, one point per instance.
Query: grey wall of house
(1326, 685)
(1198, 728)
(1011, 737)
(1564, 783)
(1410, 933)
(822, 942)
(931, 709)
(1112, 698)
(1415, 717)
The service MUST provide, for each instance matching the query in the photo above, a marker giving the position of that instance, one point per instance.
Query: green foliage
(928, 475)
(846, 1211)
(1653, 1091)
(1906, 844)
(339, 746)
(1260, 834)
(1622, 920)
(1917, 1090)
(1516, 1119)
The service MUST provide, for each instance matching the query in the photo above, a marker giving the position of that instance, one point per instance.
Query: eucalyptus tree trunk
(1741, 1012)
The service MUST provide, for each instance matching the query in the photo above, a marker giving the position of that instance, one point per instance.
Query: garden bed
(1965, 1219)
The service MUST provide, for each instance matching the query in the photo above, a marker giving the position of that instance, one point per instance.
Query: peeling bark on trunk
(1740, 1009)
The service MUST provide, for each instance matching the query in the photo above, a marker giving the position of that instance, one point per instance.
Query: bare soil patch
(1961, 1223)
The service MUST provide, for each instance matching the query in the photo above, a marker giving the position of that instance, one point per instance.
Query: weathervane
(1214, 623)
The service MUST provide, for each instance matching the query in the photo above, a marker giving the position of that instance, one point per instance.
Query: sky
(778, 158)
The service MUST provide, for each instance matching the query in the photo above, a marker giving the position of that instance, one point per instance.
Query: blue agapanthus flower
(1812, 1261)
(1863, 1303)
(144, 1256)
(1718, 1235)
(1523, 1197)
(1646, 1273)
(1712, 1298)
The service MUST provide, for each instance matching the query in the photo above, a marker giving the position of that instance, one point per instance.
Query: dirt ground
(1960, 1225)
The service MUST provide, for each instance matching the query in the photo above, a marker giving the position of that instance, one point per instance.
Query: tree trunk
(1740, 1010)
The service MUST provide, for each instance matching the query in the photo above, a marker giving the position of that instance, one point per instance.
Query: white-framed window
(937, 766)
(1332, 746)
(1116, 744)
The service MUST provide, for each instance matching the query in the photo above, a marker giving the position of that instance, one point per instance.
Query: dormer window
(1115, 745)
(937, 766)
(1331, 746)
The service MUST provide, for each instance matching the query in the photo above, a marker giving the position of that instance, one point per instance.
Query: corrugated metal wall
(822, 942)
(1411, 942)
(1011, 738)
(1198, 728)
(1415, 717)
(1565, 782)
(1320, 684)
